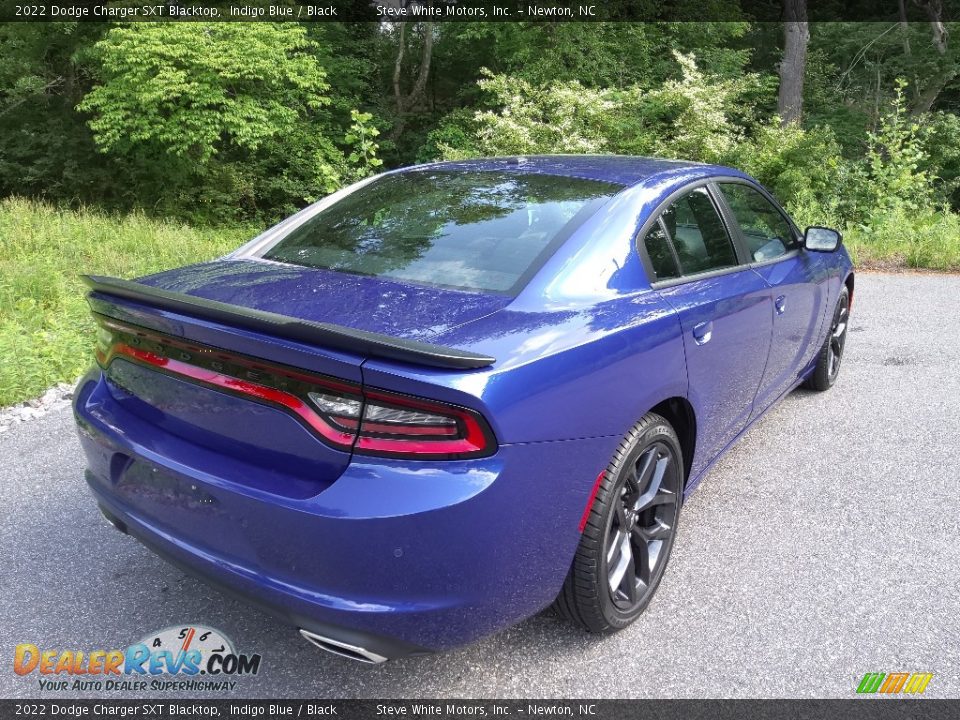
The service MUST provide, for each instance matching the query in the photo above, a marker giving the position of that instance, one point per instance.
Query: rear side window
(766, 231)
(487, 231)
(660, 253)
(698, 234)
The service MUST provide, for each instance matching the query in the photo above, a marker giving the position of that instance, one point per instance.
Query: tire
(827, 369)
(646, 468)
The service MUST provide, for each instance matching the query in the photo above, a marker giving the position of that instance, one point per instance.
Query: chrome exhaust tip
(346, 650)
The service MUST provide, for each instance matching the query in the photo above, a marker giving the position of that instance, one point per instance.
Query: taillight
(396, 424)
(344, 415)
(389, 424)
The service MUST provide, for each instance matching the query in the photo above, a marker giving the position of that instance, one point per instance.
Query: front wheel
(629, 532)
(827, 369)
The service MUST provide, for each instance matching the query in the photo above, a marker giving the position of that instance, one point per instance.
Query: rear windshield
(486, 231)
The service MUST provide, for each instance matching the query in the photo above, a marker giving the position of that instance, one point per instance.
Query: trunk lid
(197, 398)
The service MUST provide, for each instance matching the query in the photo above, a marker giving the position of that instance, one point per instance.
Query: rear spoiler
(318, 333)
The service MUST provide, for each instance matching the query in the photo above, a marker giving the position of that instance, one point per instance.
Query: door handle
(702, 332)
(780, 304)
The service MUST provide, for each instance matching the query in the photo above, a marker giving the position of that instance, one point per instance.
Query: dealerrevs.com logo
(189, 658)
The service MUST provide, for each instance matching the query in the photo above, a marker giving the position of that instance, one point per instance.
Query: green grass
(896, 239)
(46, 335)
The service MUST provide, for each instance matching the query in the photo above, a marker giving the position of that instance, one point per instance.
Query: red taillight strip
(418, 447)
(324, 382)
(245, 387)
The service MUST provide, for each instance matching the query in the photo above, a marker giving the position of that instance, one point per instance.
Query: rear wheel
(629, 533)
(831, 354)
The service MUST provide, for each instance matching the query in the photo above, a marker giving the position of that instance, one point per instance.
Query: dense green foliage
(234, 113)
(235, 121)
(228, 122)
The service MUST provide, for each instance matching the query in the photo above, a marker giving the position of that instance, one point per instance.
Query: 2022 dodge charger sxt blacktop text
(444, 398)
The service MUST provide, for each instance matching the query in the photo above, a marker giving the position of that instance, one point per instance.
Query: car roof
(620, 169)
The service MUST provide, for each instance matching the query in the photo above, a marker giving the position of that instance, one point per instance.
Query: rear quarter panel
(560, 375)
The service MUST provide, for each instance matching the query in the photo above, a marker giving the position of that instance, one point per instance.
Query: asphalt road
(825, 545)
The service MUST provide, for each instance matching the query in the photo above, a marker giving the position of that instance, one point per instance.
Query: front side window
(766, 231)
(477, 230)
(699, 236)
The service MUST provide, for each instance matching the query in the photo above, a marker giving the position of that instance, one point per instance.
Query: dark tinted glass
(698, 234)
(767, 233)
(660, 254)
(467, 230)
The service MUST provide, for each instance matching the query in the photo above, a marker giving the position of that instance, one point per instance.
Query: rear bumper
(237, 586)
(398, 557)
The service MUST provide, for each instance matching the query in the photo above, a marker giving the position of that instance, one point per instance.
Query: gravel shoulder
(55, 398)
(823, 546)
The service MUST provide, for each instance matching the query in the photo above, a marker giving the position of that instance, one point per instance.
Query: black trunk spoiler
(316, 333)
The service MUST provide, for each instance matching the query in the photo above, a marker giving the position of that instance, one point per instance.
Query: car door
(725, 313)
(796, 279)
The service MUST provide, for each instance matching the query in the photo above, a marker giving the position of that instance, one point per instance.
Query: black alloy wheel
(642, 527)
(838, 336)
(831, 353)
(629, 533)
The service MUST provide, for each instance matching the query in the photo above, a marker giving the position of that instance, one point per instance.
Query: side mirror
(821, 239)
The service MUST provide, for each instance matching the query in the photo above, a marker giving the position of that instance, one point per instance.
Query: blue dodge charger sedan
(447, 397)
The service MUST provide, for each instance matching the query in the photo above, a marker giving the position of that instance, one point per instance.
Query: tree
(690, 117)
(948, 67)
(796, 36)
(194, 88)
(407, 101)
(45, 147)
(234, 112)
